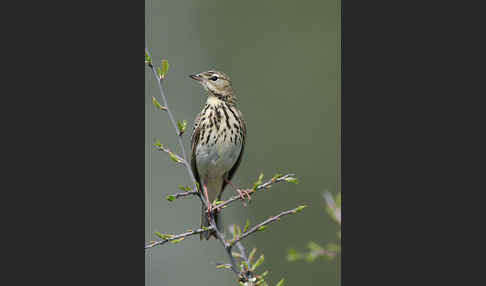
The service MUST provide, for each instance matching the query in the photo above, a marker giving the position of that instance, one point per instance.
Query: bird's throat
(213, 100)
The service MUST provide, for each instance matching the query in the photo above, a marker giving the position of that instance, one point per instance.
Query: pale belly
(213, 161)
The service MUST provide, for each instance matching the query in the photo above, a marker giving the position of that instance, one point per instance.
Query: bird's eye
(214, 78)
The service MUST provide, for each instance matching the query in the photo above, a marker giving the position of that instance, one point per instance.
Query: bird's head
(217, 83)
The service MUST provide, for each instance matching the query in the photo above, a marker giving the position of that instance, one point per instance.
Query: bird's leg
(210, 206)
(242, 193)
(217, 209)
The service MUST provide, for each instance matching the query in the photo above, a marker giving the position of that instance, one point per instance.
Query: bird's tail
(205, 223)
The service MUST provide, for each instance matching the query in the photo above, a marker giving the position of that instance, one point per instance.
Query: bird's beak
(196, 77)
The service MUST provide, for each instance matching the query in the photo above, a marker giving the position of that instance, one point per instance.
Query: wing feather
(194, 141)
(232, 172)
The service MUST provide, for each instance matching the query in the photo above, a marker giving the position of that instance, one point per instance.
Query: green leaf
(163, 236)
(315, 251)
(225, 266)
(338, 200)
(159, 72)
(205, 228)
(264, 273)
(314, 246)
(258, 182)
(293, 255)
(177, 240)
(158, 144)
(310, 257)
(300, 208)
(185, 188)
(292, 180)
(148, 60)
(261, 282)
(157, 104)
(247, 225)
(281, 282)
(277, 176)
(182, 126)
(262, 228)
(237, 230)
(165, 68)
(258, 262)
(170, 198)
(252, 253)
(174, 157)
(245, 265)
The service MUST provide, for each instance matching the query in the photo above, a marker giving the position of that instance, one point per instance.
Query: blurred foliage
(330, 250)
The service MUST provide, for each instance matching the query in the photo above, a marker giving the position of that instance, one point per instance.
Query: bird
(217, 143)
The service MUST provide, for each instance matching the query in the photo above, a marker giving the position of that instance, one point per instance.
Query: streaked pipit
(217, 141)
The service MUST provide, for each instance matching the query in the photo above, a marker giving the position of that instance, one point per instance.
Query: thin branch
(237, 197)
(242, 251)
(325, 252)
(185, 194)
(267, 221)
(174, 124)
(262, 186)
(248, 273)
(179, 236)
(176, 158)
(226, 245)
(243, 254)
(223, 265)
(333, 208)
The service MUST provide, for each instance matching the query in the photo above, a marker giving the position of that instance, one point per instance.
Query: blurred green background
(284, 61)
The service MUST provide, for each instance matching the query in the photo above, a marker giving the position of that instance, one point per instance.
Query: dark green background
(284, 60)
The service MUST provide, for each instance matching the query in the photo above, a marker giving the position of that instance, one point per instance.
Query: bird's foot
(242, 194)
